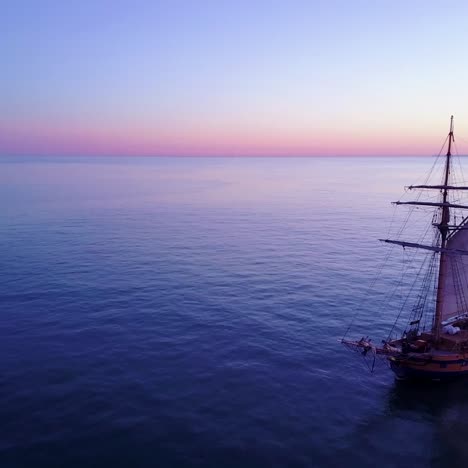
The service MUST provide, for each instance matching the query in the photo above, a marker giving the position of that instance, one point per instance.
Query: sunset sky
(214, 77)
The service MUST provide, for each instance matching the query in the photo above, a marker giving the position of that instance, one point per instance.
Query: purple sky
(232, 77)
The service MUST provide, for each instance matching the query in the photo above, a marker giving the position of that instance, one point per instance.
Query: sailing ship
(434, 348)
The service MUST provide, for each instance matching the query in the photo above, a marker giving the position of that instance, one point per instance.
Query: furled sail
(455, 280)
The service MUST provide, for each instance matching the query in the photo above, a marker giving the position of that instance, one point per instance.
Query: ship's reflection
(418, 424)
(439, 407)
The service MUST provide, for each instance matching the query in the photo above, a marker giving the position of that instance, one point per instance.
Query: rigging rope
(406, 266)
(407, 298)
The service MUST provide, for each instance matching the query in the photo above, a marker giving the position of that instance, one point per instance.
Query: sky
(232, 78)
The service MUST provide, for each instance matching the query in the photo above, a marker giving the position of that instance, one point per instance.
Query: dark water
(180, 313)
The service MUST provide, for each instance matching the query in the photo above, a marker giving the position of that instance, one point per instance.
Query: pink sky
(233, 78)
(211, 139)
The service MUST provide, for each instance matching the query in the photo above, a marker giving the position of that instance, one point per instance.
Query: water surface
(187, 312)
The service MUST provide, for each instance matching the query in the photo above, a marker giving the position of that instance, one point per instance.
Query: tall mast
(443, 227)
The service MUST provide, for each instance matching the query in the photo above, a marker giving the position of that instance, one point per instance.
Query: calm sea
(187, 312)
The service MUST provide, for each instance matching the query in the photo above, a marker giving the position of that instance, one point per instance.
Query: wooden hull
(434, 367)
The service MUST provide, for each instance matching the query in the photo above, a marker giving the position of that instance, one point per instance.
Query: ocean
(187, 312)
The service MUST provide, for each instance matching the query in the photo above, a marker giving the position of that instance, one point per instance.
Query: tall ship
(434, 342)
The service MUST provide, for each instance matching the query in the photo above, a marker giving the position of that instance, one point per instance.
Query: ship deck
(458, 342)
(459, 338)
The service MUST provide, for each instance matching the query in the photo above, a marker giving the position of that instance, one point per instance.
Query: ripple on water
(164, 316)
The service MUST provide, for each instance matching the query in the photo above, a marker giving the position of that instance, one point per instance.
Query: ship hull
(436, 367)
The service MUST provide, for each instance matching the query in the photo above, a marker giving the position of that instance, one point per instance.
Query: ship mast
(443, 248)
(443, 228)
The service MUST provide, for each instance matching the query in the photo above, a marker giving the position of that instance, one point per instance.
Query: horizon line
(222, 156)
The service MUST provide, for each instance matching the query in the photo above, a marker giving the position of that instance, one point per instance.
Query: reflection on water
(444, 408)
(187, 312)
